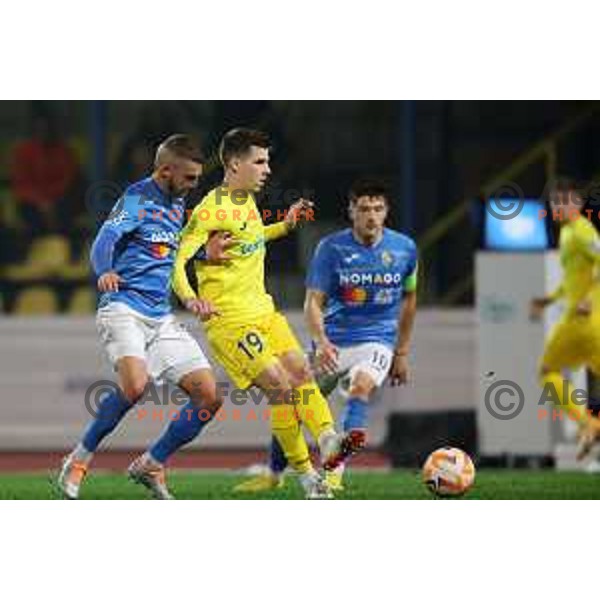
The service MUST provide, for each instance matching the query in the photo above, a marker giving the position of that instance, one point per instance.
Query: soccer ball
(448, 472)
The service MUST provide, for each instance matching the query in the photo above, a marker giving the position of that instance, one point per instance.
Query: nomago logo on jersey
(346, 279)
(164, 237)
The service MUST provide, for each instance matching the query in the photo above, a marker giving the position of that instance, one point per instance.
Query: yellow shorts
(572, 343)
(246, 350)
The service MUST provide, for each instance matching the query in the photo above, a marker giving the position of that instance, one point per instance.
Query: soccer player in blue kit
(360, 308)
(133, 256)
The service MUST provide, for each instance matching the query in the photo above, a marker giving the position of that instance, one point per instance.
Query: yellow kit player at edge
(574, 340)
(251, 340)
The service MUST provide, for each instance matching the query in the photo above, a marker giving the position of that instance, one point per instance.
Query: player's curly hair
(237, 142)
(368, 186)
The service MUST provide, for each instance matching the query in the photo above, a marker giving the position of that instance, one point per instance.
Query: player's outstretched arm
(537, 305)
(300, 210)
(276, 231)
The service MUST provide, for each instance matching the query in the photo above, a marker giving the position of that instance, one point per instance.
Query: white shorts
(167, 347)
(371, 358)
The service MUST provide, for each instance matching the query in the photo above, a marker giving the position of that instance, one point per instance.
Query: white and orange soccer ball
(448, 472)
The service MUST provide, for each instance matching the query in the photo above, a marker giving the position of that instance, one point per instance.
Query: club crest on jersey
(387, 259)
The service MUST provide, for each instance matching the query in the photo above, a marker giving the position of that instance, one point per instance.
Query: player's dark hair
(368, 186)
(182, 146)
(237, 142)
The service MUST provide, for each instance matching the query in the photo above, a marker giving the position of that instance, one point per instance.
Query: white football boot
(71, 475)
(151, 475)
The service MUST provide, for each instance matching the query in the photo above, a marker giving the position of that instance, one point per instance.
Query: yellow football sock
(313, 409)
(287, 430)
(563, 396)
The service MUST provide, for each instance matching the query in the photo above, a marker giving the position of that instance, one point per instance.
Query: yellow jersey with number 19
(236, 287)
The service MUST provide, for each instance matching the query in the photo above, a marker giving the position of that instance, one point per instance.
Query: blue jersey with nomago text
(144, 226)
(364, 285)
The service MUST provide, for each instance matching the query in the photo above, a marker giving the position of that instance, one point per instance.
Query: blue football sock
(179, 432)
(111, 410)
(277, 461)
(356, 414)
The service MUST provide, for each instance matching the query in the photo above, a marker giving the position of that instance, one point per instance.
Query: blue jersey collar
(359, 243)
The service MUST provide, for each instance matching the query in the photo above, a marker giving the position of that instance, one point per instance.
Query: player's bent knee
(362, 385)
(133, 377)
(212, 403)
(207, 398)
(274, 381)
(296, 368)
(134, 390)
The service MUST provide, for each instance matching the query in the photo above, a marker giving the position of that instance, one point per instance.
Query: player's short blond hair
(179, 146)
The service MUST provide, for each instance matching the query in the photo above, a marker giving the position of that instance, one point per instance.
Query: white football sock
(307, 480)
(82, 454)
(327, 441)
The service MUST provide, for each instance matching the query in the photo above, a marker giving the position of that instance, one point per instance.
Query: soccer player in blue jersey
(360, 308)
(133, 256)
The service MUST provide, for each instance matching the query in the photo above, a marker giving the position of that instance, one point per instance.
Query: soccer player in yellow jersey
(247, 335)
(574, 341)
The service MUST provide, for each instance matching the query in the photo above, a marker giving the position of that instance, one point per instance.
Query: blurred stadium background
(63, 164)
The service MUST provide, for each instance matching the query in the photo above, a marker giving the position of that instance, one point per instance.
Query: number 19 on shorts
(251, 345)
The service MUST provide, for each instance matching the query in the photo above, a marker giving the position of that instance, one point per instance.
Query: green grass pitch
(402, 484)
